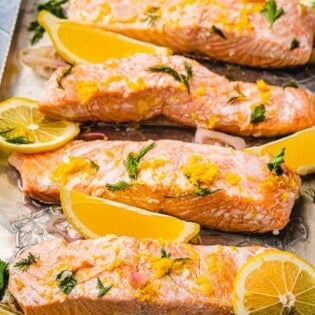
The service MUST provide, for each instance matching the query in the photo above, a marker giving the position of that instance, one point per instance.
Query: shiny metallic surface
(23, 221)
(8, 16)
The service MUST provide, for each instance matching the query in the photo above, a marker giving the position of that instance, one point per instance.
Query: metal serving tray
(23, 221)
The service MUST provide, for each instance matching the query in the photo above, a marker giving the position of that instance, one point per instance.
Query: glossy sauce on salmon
(217, 187)
(141, 87)
(141, 277)
(242, 31)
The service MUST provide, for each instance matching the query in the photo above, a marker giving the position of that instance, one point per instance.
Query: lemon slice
(79, 43)
(5, 310)
(94, 217)
(274, 283)
(299, 150)
(24, 129)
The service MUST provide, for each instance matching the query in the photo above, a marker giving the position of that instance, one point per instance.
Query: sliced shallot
(203, 136)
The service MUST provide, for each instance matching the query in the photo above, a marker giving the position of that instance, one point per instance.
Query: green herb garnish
(311, 192)
(102, 290)
(25, 263)
(271, 12)
(275, 162)
(18, 140)
(217, 31)
(132, 161)
(164, 253)
(118, 186)
(294, 44)
(64, 74)
(66, 281)
(291, 83)
(94, 165)
(232, 77)
(54, 7)
(258, 114)
(4, 275)
(6, 130)
(239, 97)
(153, 14)
(199, 191)
(182, 78)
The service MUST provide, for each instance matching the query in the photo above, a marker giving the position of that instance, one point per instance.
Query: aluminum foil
(23, 221)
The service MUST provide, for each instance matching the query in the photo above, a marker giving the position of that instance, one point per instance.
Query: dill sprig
(153, 14)
(200, 191)
(25, 263)
(118, 186)
(133, 159)
(54, 7)
(182, 78)
(239, 97)
(311, 193)
(64, 74)
(102, 290)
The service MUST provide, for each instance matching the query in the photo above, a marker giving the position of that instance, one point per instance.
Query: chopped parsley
(271, 11)
(102, 290)
(133, 159)
(121, 185)
(4, 275)
(258, 114)
(182, 78)
(275, 162)
(25, 263)
(66, 281)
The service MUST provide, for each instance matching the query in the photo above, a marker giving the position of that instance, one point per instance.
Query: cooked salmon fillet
(217, 187)
(137, 88)
(236, 31)
(143, 277)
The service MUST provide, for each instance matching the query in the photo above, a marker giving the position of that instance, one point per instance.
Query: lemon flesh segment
(299, 150)
(94, 217)
(80, 43)
(275, 282)
(23, 128)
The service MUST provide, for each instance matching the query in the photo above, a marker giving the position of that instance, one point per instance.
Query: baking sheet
(23, 221)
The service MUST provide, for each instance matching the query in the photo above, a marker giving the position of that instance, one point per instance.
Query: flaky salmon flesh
(247, 32)
(217, 187)
(144, 86)
(122, 275)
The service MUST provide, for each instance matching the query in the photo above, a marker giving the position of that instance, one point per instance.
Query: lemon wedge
(299, 150)
(275, 282)
(24, 128)
(79, 43)
(94, 217)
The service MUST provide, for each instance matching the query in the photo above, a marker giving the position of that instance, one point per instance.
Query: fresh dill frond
(52, 6)
(118, 186)
(25, 263)
(102, 290)
(238, 97)
(133, 159)
(182, 78)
